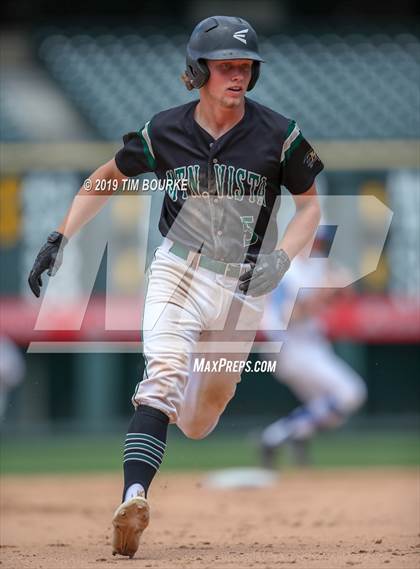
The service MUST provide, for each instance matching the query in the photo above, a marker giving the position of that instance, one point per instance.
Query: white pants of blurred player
(192, 314)
(327, 386)
(12, 370)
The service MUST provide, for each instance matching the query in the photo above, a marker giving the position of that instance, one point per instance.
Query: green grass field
(72, 454)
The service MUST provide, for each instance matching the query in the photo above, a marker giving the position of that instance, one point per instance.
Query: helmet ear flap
(204, 71)
(255, 73)
(198, 72)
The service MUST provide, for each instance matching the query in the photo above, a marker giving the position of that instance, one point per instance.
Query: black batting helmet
(221, 37)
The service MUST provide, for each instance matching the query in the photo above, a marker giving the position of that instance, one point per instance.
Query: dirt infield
(323, 519)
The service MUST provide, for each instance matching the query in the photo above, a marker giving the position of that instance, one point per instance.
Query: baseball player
(223, 159)
(12, 371)
(329, 388)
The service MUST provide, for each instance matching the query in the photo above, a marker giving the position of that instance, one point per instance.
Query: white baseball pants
(192, 313)
(308, 365)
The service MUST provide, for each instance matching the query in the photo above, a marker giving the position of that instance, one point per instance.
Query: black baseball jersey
(222, 196)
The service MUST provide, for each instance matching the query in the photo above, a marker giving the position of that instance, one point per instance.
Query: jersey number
(249, 237)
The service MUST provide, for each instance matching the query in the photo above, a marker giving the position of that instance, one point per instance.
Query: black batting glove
(265, 274)
(48, 259)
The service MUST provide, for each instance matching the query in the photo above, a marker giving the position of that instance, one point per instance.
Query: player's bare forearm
(304, 223)
(88, 202)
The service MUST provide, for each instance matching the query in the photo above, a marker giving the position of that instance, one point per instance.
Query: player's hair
(187, 82)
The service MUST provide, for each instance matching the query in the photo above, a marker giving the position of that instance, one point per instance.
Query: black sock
(144, 446)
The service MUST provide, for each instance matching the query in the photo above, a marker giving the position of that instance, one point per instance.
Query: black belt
(233, 270)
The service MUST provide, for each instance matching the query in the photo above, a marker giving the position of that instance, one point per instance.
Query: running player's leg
(322, 375)
(170, 329)
(172, 323)
(329, 388)
(208, 392)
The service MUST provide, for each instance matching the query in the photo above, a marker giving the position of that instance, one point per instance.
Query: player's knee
(359, 395)
(216, 398)
(198, 425)
(353, 397)
(194, 431)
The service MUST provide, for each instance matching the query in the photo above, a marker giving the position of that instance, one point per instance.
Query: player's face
(228, 81)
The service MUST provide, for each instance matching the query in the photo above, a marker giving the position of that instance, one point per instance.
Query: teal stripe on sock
(154, 440)
(142, 458)
(153, 446)
(139, 446)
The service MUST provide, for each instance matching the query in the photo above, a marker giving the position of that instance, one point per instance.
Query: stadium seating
(10, 130)
(341, 87)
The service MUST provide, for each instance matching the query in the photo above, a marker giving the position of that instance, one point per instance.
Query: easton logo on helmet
(240, 35)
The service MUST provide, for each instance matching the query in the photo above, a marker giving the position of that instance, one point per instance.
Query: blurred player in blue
(329, 389)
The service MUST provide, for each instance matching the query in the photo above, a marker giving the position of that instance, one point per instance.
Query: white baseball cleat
(130, 519)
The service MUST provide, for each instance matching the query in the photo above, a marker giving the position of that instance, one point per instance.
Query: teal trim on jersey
(151, 438)
(293, 146)
(290, 129)
(147, 146)
(291, 142)
(149, 157)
